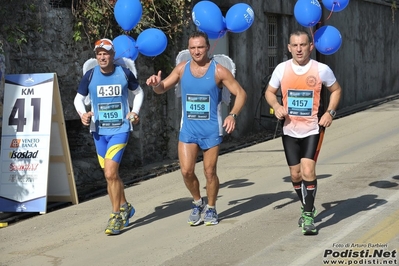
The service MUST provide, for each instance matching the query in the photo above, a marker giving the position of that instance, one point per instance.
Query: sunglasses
(102, 42)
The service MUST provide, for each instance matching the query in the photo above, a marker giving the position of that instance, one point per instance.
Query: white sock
(198, 202)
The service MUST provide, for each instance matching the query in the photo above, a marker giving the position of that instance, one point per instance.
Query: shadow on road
(247, 205)
(343, 209)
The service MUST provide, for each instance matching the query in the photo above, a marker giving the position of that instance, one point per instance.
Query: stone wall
(50, 48)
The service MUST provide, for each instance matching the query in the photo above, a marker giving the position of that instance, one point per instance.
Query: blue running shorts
(110, 146)
(203, 143)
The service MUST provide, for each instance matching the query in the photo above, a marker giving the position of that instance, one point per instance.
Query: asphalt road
(357, 202)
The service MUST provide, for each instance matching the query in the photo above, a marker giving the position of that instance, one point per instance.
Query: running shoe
(127, 214)
(300, 221)
(195, 215)
(308, 227)
(211, 217)
(115, 224)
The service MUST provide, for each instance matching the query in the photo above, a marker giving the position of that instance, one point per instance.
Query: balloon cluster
(150, 42)
(208, 18)
(327, 39)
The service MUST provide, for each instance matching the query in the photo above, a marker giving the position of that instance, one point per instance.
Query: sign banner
(25, 142)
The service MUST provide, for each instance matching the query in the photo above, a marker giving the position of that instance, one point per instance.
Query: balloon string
(332, 10)
(121, 56)
(329, 16)
(311, 33)
(215, 43)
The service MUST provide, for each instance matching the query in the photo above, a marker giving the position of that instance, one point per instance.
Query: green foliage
(95, 18)
(19, 34)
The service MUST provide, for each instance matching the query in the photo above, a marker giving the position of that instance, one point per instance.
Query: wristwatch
(332, 113)
(233, 115)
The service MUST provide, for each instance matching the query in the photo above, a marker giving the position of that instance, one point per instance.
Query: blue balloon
(152, 42)
(128, 13)
(239, 17)
(125, 46)
(207, 16)
(335, 5)
(307, 12)
(214, 35)
(327, 40)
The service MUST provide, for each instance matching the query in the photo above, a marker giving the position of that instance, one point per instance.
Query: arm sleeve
(79, 104)
(138, 99)
(136, 94)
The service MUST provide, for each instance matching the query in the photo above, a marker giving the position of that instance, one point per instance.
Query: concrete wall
(365, 65)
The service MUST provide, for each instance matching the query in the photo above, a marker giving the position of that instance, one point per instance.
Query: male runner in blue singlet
(202, 80)
(110, 123)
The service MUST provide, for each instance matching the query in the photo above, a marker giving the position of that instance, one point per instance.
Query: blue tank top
(201, 104)
(109, 101)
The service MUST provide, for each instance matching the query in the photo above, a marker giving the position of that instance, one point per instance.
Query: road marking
(384, 231)
(3, 224)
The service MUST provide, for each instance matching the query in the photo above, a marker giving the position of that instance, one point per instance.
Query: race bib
(300, 102)
(197, 106)
(110, 115)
